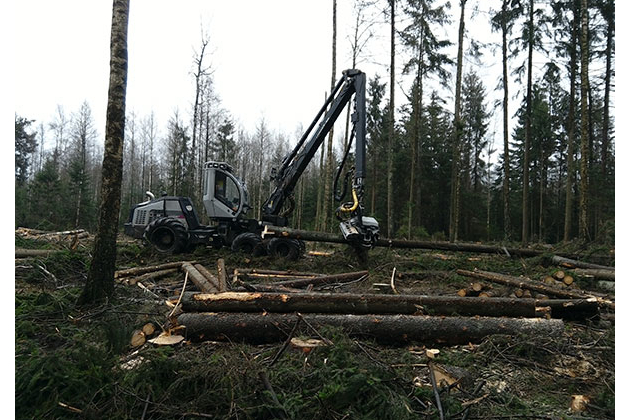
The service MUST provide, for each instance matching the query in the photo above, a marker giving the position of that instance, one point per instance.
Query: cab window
(226, 190)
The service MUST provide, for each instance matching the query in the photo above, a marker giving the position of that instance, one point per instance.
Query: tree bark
(359, 304)
(136, 271)
(391, 122)
(328, 177)
(525, 284)
(100, 280)
(400, 243)
(568, 211)
(528, 126)
(595, 273)
(322, 280)
(507, 225)
(203, 283)
(584, 125)
(570, 263)
(457, 133)
(395, 329)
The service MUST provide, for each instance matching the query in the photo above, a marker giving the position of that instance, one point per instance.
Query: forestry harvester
(171, 224)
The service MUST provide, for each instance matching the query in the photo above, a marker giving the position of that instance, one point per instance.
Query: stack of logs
(260, 306)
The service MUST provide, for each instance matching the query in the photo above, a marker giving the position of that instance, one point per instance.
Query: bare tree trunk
(507, 225)
(392, 129)
(584, 132)
(528, 127)
(100, 281)
(457, 131)
(568, 210)
(328, 177)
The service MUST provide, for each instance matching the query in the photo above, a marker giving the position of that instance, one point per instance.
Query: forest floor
(77, 362)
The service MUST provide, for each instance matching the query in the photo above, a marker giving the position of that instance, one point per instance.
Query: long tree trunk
(391, 122)
(568, 211)
(584, 131)
(100, 281)
(610, 28)
(528, 126)
(328, 177)
(457, 133)
(358, 304)
(400, 329)
(507, 225)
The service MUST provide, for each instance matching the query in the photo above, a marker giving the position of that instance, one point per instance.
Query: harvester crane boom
(294, 164)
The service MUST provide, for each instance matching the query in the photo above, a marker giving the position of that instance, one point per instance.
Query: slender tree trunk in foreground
(100, 280)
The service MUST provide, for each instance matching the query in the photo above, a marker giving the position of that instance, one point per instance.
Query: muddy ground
(77, 362)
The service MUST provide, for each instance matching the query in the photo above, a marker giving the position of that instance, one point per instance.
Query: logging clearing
(474, 328)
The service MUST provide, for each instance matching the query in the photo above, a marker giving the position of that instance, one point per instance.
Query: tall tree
(25, 146)
(391, 120)
(83, 134)
(200, 72)
(328, 174)
(427, 59)
(100, 280)
(570, 119)
(504, 20)
(529, 34)
(457, 131)
(584, 123)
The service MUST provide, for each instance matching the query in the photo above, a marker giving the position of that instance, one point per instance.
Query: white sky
(270, 58)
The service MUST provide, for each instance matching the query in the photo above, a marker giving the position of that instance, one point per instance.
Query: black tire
(247, 243)
(167, 235)
(289, 249)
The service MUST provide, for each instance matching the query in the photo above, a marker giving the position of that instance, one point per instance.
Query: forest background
(441, 162)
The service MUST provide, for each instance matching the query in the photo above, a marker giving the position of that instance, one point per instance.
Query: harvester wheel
(168, 235)
(284, 248)
(248, 243)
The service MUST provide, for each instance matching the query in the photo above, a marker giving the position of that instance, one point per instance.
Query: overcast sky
(270, 59)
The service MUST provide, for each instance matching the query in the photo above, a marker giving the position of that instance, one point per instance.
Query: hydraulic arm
(354, 226)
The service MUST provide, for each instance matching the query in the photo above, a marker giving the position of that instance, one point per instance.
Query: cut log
(522, 283)
(148, 276)
(138, 338)
(28, 253)
(568, 280)
(351, 303)
(537, 287)
(222, 275)
(148, 329)
(399, 243)
(596, 273)
(210, 277)
(571, 263)
(198, 279)
(272, 273)
(394, 329)
(558, 275)
(136, 271)
(323, 280)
